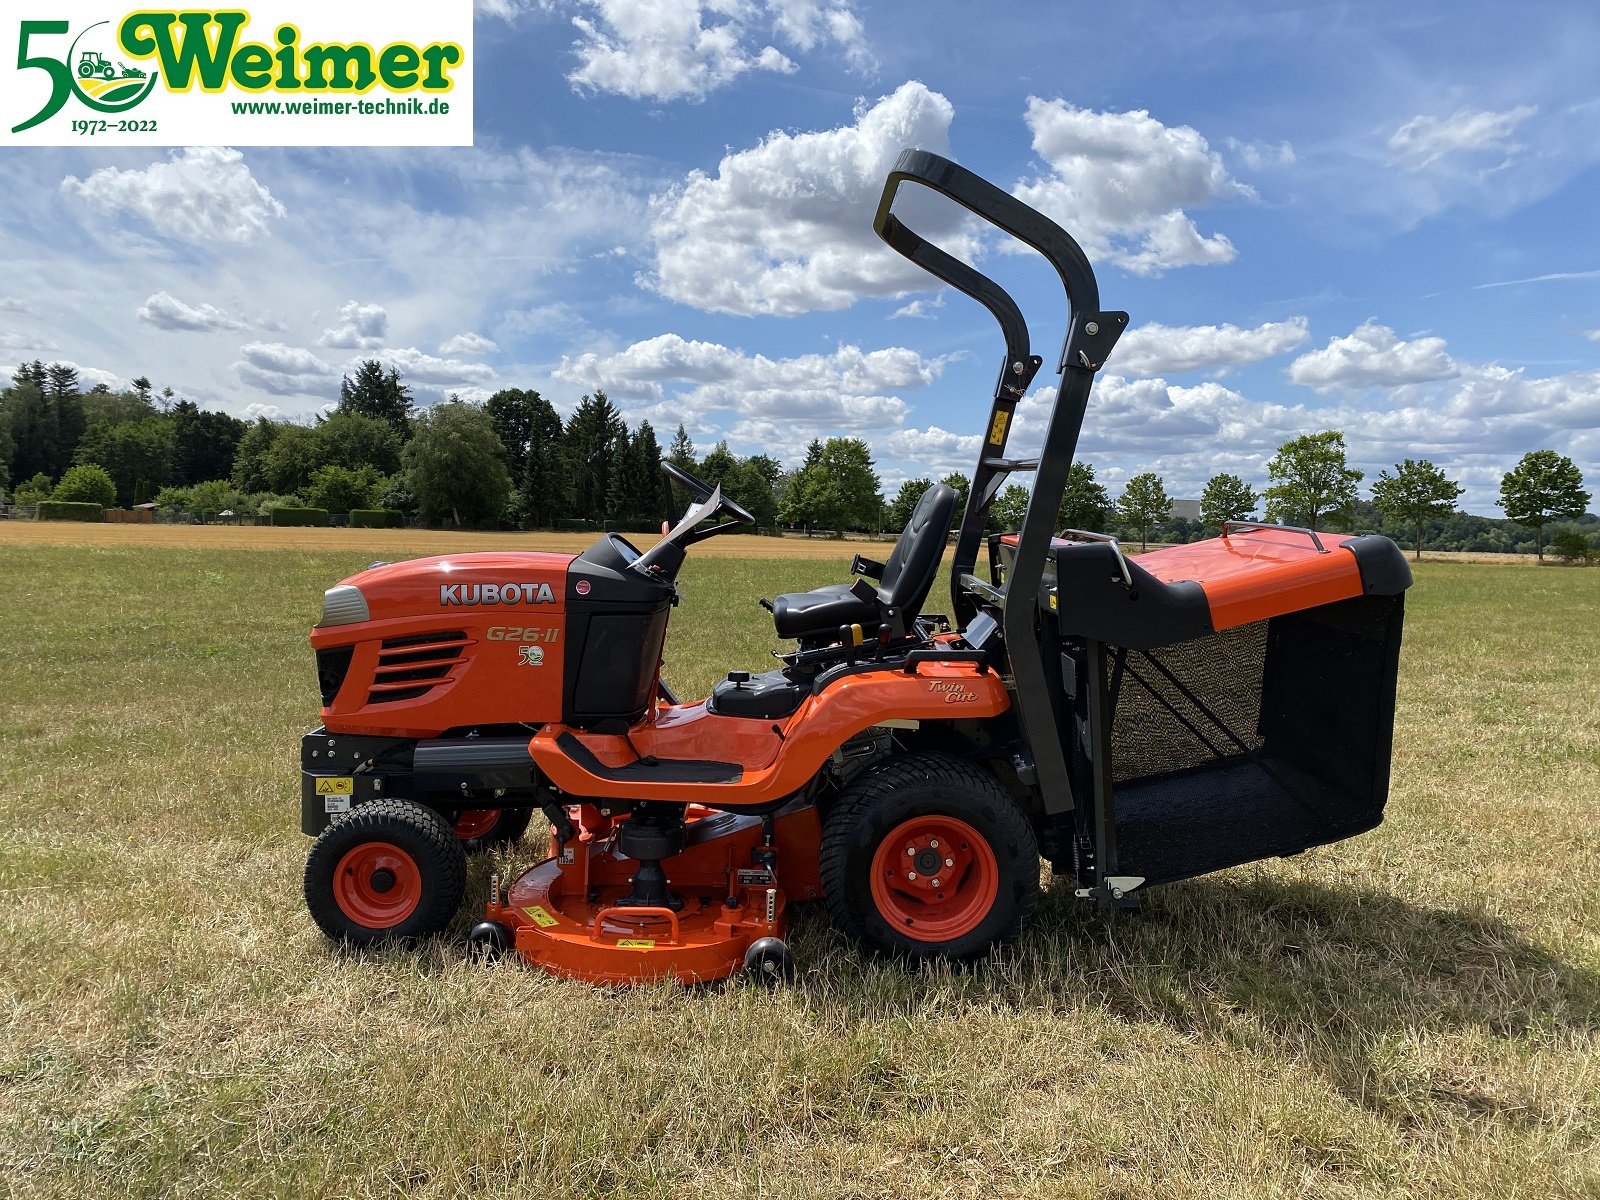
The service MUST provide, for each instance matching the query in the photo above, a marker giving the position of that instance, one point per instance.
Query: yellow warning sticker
(637, 943)
(335, 785)
(1052, 602)
(997, 431)
(541, 918)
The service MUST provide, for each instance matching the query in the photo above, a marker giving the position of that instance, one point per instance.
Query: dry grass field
(1412, 1013)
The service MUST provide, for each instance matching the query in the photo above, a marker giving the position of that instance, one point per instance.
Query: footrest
(651, 770)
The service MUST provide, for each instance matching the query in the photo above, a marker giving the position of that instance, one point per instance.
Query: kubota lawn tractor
(1134, 720)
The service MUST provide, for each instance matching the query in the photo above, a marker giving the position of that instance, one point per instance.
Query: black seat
(902, 587)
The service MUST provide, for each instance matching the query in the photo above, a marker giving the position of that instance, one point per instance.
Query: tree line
(513, 462)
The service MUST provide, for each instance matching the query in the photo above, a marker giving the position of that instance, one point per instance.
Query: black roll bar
(1091, 335)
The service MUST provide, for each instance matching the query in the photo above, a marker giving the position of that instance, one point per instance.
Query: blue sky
(1372, 217)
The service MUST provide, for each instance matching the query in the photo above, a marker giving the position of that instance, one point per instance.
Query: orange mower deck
(567, 915)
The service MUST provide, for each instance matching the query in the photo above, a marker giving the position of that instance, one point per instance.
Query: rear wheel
(927, 856)
(391, 870)
(481, 829)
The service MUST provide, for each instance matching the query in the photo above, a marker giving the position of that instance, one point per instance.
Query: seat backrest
(914, 561)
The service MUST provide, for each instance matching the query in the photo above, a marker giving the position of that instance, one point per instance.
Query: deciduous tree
(1418, 491)
(1227, 498)
(1084, 502)
(86, 484)
(350, 440)
(1310, 479)
(454, 465)
(341, 489)
(1009, 508)
(1144, 503)
(961, 485)
(1544, 486)
(847, 462)
(905, 501)
(136, 454)
(514, 412)
(249, 457)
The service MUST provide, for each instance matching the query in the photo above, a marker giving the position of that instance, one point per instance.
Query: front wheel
(927, 856)
(390, 871)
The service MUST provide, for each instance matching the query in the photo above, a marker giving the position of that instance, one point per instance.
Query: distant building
(1184, 510)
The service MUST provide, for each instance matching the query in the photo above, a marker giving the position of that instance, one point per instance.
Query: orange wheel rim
(934, 878)
(377, 885)
(475, 822)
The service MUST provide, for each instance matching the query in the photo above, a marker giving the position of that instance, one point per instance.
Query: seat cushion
(805, 614)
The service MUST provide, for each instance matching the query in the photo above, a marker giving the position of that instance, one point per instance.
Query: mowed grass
(1415, 1012)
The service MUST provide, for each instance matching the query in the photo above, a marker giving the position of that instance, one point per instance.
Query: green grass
(1412, 1013)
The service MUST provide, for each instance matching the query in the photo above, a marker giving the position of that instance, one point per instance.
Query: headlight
(343, 605)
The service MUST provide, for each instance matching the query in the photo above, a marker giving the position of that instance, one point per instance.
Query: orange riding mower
(1133, 720)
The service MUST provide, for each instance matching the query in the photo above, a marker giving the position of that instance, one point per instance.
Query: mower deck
(569, 914)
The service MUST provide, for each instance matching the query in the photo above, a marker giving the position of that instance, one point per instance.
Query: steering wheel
(702, 493)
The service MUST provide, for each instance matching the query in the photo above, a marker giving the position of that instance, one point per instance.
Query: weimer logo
(89, 72)
(363, 74)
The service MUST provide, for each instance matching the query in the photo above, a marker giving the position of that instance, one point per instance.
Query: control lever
(766, 604)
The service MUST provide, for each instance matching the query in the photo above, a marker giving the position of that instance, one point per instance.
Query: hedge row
(69, 510)
(376, 518)
(299, 516)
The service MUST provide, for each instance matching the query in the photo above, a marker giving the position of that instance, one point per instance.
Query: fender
(741, 761)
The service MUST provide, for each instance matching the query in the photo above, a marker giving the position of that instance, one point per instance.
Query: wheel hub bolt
(911, 874)
(933, 882)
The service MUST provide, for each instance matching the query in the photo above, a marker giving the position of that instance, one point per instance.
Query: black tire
(926, 792)
(391, 870)
(509, 826)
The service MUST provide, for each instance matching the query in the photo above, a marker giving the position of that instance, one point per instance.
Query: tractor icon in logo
(94, 63)
(103, 84)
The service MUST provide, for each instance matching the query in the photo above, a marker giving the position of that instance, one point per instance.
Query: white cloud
(919, 309)
(1424, 140)
(1592, 334)
(786, 227)
(809, 23)
(505, 10)
(166, 311)
(660, 50)
(1121, 183)
(1552, 277)
(284, 370)
(850, 389)
(1373, 356)
(196, 194)
(686, 49)
(468, 343)
(1155, 349)
(418, 367)
(936, 451)
(1260, 156)
(360, 327)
